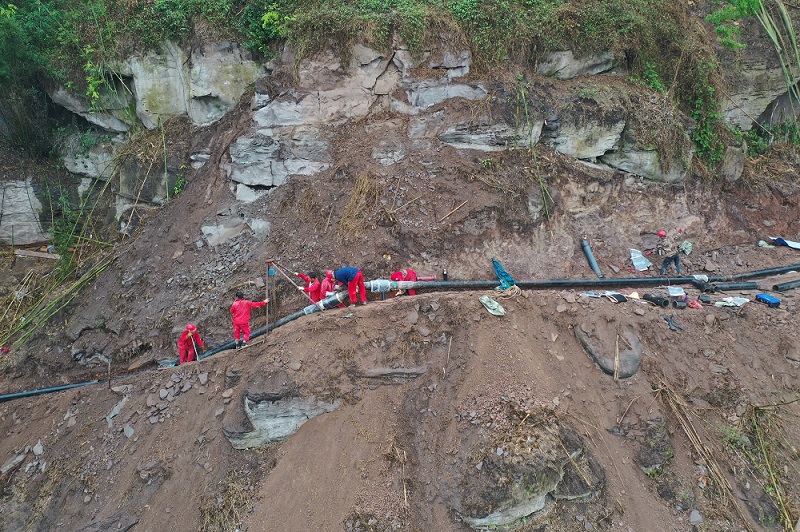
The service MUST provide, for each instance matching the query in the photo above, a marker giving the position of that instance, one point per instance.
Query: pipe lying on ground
(706, 288)
(786, 286)
(736, 286)
(587, 249)
(656, 300)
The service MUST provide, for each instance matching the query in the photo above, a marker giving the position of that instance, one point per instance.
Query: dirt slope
(445, 414)
(400, 453)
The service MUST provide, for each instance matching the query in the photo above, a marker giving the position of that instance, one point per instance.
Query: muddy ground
(444, 414)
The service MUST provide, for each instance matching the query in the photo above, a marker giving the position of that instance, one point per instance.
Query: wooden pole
(266, 291)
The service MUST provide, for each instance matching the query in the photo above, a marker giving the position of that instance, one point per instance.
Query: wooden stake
(266, 296)
(454, 210)
(616, 362)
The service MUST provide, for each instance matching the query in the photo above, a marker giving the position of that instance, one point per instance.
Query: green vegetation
(76, 43)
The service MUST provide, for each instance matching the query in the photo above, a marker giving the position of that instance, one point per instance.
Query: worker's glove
(320, 305)
(301, 288)
(329, 294)
(266, 300)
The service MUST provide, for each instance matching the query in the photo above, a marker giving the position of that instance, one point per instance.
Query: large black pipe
(385, 286)
(786, 286)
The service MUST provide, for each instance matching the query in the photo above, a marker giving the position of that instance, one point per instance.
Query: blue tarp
(782, 242)
(506, 281)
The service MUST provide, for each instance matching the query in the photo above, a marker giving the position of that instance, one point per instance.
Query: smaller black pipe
(657, 300)
(587, 249)
(786, 286)
(706, 288)
(736, 286)
(679, 304)
(40, 391)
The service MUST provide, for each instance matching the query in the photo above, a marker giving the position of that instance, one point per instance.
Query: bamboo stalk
(454, 210)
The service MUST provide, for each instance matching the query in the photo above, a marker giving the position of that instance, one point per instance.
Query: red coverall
(313, 289)
(241, 317)
(327, 285)
(405, 275)
(186, 348)
(353, 278)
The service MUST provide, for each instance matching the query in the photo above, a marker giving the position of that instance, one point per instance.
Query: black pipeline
(786, 286)
(381, 285)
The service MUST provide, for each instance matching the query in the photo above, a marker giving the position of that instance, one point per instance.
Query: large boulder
(20, 222)
(203, 86)
(564, 64)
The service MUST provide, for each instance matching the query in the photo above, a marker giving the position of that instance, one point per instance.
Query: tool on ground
(672, 325)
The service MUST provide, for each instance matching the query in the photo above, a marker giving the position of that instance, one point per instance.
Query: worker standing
(354, 280)
(189, 340)
(312, 287)
(241, 318)
(405, 275)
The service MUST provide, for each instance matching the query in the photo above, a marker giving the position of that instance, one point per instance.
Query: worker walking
(666, 248)
(187, 344)
(405, 275)
(354, 280)
(312, 287)
(241, 318)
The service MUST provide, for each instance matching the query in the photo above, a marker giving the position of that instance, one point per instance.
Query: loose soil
(488, 395)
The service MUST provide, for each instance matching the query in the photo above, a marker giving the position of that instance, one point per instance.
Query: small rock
(709, 319)
(228, 393)
(162, 393)
(186, 387)
(203, 378)
(219, 411)
(295, 365)
(124, 389)
(710, 266)
(424, 331)
(561, 308)
(695, 518)
(151, 400)
(639, 311)
(153, 420)
(38, 449)
(87, 499)
(128, 431)
(412, 317)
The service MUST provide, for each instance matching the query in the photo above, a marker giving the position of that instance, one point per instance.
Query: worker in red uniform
(241, 318)
(187, 343)
(312, 287)
(354, 280)
(328, 286)
(405, 275)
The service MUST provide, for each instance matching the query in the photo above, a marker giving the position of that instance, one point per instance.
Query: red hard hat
(662, 233)
(329, 274)
(191, 327)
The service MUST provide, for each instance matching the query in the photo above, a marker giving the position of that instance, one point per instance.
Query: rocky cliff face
(582, 107)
